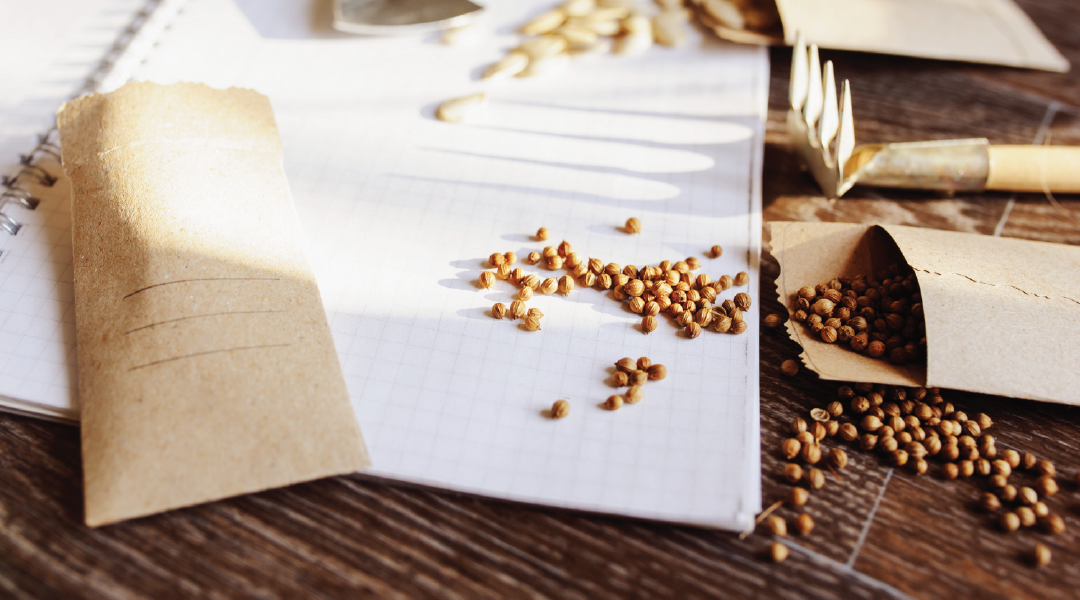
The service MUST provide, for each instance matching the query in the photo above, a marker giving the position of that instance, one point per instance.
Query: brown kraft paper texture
(1002, 315)
(206, 365)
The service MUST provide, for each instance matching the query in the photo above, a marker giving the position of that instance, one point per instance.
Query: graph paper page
(47, 50)
(400, 212)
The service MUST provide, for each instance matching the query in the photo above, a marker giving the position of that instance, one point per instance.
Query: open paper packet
(1002, 315)
(981, 31)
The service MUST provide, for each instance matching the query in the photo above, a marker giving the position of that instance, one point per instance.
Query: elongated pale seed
(669, 28)
(577, 8)
(457, 109)
(577, 36)
(545, 23)
(545, 66)
(634, 43)
(598, 27)
(608, 13)
(543, 47)
(602, 46)
(510, 65)
(460, 36)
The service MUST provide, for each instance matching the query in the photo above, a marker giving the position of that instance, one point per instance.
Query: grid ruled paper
(47, 49)
(400, 212)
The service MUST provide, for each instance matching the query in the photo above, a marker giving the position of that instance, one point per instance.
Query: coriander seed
(644, 363)
(1012, 457)
(951, 471)
(1041, 555)
(831, 428)
(525, 294)
(738, 327)
(1052, 523)
(634, 394)
(560, 409)
(1028, 496)
(811, 453)
(1008, 493)
(566, 285)
(772, 320)
(989, 502)
(1045, 467)
(532, 258)
(741, 278)
(793, 472)
(1040, 508)
(776, 525)
(633, 225)
(535, 312)
(742, 300)
(798, 496)
(517, 309)
(532, 323)
(778, 552)
(626, 364)
(789, 367)
(790, 448)
(496, 259)
(657, 372)
(549, 286)
(637, 305)
(804, 524)
(620, 379)
(499, 310)
(868, 441)
(487, 279)
(1046, 486)
(503, 272)
(998, 481)
(1029, 461)
(871, 423)
(819, 414)
(649, 324)
(1027, 516)
(967, 468)
(1009, 521)
(542, 234)
(848, 432)
(638, 377)
(613, 402)
(815, 479)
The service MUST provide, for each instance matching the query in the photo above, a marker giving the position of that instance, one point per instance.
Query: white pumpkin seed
(510, 65)
(545, 23)
(577, 8)
(669, 28)
(543, 47)
(577, 36)
(456, 109)
(545, 66)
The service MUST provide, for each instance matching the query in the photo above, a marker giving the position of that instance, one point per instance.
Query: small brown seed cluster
(908, 426)
(633, 374)
(880, 316)
(692, 301)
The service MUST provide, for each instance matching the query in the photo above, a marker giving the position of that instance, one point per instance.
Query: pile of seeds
(689, 300)
(908, 426)
(880, 316)
(633, 374)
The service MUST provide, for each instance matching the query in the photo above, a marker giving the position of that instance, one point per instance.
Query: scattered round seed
(790, 448)
(1040, 555)
(532, 323)
(778, 552)
(487, 278)
(542, 234)
(776, 525)
(989, 502)
(1046, 486)
(804, 524)
(633, 225)
(815, 479)
(560, 409)
(838, 459)
(741, 278)
(793, 472)
(1026, 515)
(798, 496)
(773, 320)
(517, 309)
(820, 414)
(716, 251)
(649, 324)
(1028, 496)
(789, 367)
(499, 310)
(634, 394)
(613, 402)
(1009, 521)
(1052, 523)
(657, 372)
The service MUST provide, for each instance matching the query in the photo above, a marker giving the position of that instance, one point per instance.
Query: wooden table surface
(880, 532)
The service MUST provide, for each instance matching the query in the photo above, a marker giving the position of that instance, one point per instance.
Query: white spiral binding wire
(115, 68)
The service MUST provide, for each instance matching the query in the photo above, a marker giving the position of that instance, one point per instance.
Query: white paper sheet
(400, 211)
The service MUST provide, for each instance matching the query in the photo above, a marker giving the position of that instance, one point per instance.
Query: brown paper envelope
(981, 31)
(984, 31)
(1002, 315)
(206, 366)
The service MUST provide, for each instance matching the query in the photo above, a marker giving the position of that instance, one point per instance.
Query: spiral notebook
(399, 212)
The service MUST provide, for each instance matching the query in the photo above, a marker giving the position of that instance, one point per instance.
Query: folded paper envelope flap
(206, 366)
(813, 253)
(983, 31)
(1002, 315)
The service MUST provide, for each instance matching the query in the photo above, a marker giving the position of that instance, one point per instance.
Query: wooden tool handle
(1034, 169)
